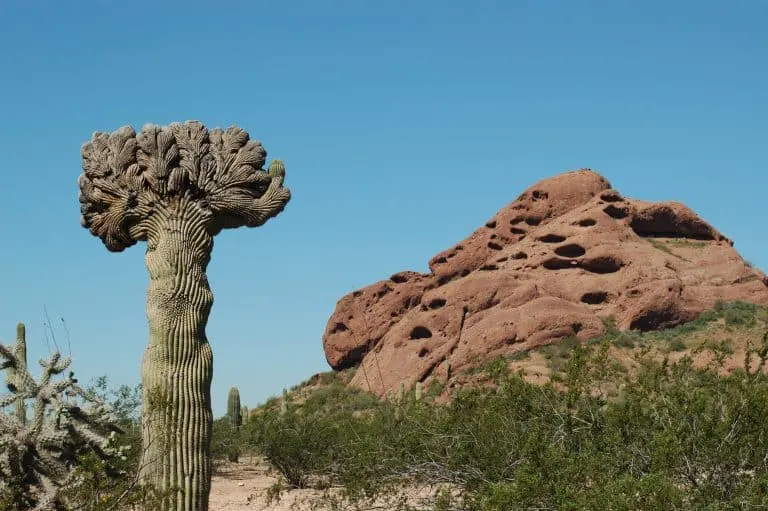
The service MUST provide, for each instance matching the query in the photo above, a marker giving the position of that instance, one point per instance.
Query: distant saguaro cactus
(245, 413)
(233, 408)
(176, 187)
(15, 376)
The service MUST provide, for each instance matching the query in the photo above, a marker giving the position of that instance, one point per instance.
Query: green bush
(674, 437)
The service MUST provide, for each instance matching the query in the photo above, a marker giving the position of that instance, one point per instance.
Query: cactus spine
(15, 376)
(233, 408)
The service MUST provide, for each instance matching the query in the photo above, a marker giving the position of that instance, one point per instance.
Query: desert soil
(244, 485)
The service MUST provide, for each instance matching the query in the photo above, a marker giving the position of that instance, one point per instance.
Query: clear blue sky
(404, 125)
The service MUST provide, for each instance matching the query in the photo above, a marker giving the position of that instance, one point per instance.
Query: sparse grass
(659, 245)
(683, 242)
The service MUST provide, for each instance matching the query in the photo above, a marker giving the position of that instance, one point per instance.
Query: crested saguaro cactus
(233, 408)
(176, 187)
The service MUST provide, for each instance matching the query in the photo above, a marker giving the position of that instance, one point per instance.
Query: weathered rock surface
(569, 252)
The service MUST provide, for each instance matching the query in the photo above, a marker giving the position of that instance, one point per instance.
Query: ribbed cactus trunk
(178, 363)
(14, 376)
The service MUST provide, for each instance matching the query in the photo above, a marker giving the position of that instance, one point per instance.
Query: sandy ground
(245, 485)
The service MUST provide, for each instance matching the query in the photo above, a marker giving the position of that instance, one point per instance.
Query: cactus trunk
(233, 408)
(15, 376)
(178, 363)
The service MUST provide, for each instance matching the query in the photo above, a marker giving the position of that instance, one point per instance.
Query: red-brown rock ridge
(567, 253)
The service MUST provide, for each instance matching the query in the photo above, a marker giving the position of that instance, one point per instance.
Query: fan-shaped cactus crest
(176, 187)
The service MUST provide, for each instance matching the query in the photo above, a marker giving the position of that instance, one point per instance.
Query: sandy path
(244, 486)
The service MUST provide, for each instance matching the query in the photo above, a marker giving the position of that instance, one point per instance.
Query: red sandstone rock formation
(567, 253)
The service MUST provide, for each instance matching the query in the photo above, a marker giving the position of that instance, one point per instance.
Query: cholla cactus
(39, 457)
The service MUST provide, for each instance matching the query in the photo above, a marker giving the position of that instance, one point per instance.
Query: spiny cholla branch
(128, 178)
(39, 458)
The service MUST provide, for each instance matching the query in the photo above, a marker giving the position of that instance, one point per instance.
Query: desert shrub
(673, 437)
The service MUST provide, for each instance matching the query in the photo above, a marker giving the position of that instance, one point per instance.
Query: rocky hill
(566, 255)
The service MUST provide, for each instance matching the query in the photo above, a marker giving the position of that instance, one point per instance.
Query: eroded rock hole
(423, 352)
(489, 267)
(557, 264)
(440, 260)
(491, 224)
(571, 250)
(601, 265)
(532, 220)
(552, 238)
(519, 255)
(339, 327)
(516, 230)
(465, 272)
(436, 303)
(594, 297)
(398, 278)
(615, 212)
(587, 222)
(539, 195)
(420, 332)
(502, 259)
(611, 196)
(494, 246)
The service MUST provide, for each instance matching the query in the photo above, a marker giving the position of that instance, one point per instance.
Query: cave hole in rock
(459, 247)
(654, 320)
(383, 291)
(436, 303)
(491, 224)
(517, 230)
(611, 196)
(552, 238)
(494, 246)
(539, 195)
(440, 260)
(576, 327)
(423, 352)
(570, 250)
(489, 267)
(594, 297)
(519, 255)
(601, 265)
(532, 220)
(664, 223)
(420, 332)
(616, 212)
(502, 259)
(493, 236)
(398, 278)
(558, 264)
(339, 327)
(586, 222)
